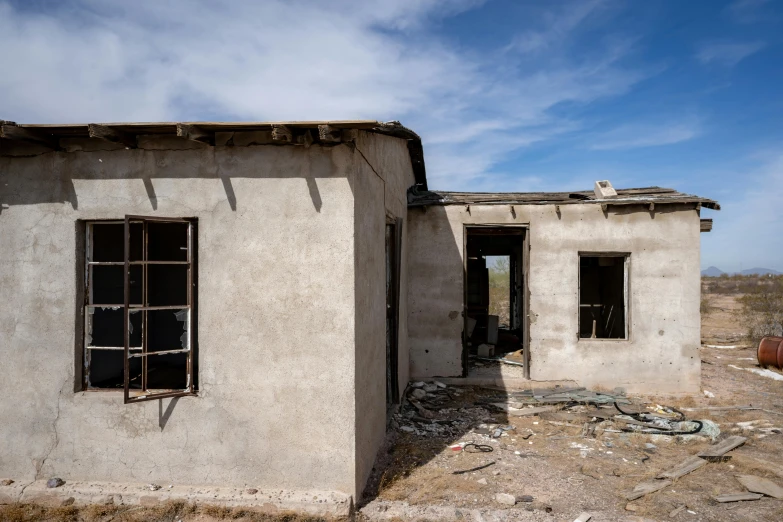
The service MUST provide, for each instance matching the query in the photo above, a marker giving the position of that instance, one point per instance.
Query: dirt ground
(550, 458)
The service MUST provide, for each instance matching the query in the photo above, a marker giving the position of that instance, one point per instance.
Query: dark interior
(107, 324)
(601, 297)
(107, 370)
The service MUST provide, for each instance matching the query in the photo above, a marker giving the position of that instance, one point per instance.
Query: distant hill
(712, 271)
(760, 271)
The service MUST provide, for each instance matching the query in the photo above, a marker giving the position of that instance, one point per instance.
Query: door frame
(466, 227)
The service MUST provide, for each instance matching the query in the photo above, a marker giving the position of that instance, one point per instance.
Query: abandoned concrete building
(274, 288)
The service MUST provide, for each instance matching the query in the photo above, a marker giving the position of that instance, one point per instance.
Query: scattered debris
(676, 511)
(477, 468)
(764, 373)
(153, 487)
(645, 488)
(482, 481)
(761, 485)
(737, 497)
(6, 482)
(584, 517)
(709, 394)
(418, 393)
(720, 449)
(506, 499)
(687, 466)
(55, 482)
(251, 491)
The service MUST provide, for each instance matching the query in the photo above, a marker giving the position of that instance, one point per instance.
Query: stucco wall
(278, 348)
(383, 174)
(662, 352)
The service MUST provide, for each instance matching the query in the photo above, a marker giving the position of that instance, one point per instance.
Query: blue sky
(507, 96)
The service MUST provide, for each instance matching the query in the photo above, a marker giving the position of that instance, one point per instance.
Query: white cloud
(727, 53)
(99, 61)
(646, 135)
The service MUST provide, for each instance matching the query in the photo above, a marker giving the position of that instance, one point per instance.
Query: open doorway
(393, 251)
(495, 297)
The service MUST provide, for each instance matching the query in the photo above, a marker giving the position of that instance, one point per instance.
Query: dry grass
(165, 512)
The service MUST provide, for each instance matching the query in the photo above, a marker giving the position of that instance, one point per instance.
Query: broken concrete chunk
(407, 429)
(418, 393)
(429, 388)
(483, 481)
(486, 350)
(761, 485)
(418, 384)
(506, 499)
(584, 517)
(54, 482)
(439, 384)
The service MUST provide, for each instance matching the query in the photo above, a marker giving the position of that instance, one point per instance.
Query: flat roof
(49, 135)
(630, 196)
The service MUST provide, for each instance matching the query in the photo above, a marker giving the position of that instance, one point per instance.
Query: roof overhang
(57, 137)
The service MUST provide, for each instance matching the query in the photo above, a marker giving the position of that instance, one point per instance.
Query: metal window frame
(145, 394)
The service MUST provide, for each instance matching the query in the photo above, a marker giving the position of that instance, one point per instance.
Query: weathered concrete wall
(661, 354)
(383, 174)
(277, 339)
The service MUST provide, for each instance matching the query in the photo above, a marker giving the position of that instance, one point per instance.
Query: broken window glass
(139, 278)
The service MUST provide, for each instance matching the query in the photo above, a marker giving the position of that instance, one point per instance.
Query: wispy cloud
(727, 54)
(746, 11)
(646, 135)
(557, 25)
(93, 61)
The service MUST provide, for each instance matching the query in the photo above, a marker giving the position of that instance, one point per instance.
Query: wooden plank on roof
(39, 137)
(705, 225)
(105, 133)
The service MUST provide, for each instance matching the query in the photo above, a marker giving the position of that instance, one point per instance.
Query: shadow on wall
(432, 417)
(49, 178)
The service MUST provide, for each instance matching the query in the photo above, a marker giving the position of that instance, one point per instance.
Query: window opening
(139, 303)
(603, 296)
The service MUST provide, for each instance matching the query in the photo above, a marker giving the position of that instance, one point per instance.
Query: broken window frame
(626, 296)
(144, 393)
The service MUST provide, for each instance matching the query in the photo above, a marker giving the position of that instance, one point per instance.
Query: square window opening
(603, 296)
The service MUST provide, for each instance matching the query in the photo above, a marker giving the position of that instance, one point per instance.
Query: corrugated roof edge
(49, 134)
(631, 196)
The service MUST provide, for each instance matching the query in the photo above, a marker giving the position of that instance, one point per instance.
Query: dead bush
(762, 310)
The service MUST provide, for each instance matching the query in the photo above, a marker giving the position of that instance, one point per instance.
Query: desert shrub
(705, 305)
(762, 309)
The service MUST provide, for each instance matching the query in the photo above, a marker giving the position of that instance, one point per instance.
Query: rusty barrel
(771, 352)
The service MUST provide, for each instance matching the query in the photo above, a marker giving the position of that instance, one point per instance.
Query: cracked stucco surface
(277, 402)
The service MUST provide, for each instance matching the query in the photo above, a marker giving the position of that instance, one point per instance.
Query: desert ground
(577, 457)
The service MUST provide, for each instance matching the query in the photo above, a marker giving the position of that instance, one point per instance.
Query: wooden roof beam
(13, 132)
(195, 133)
(102, 132)
(329, 134)
(282, 134)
